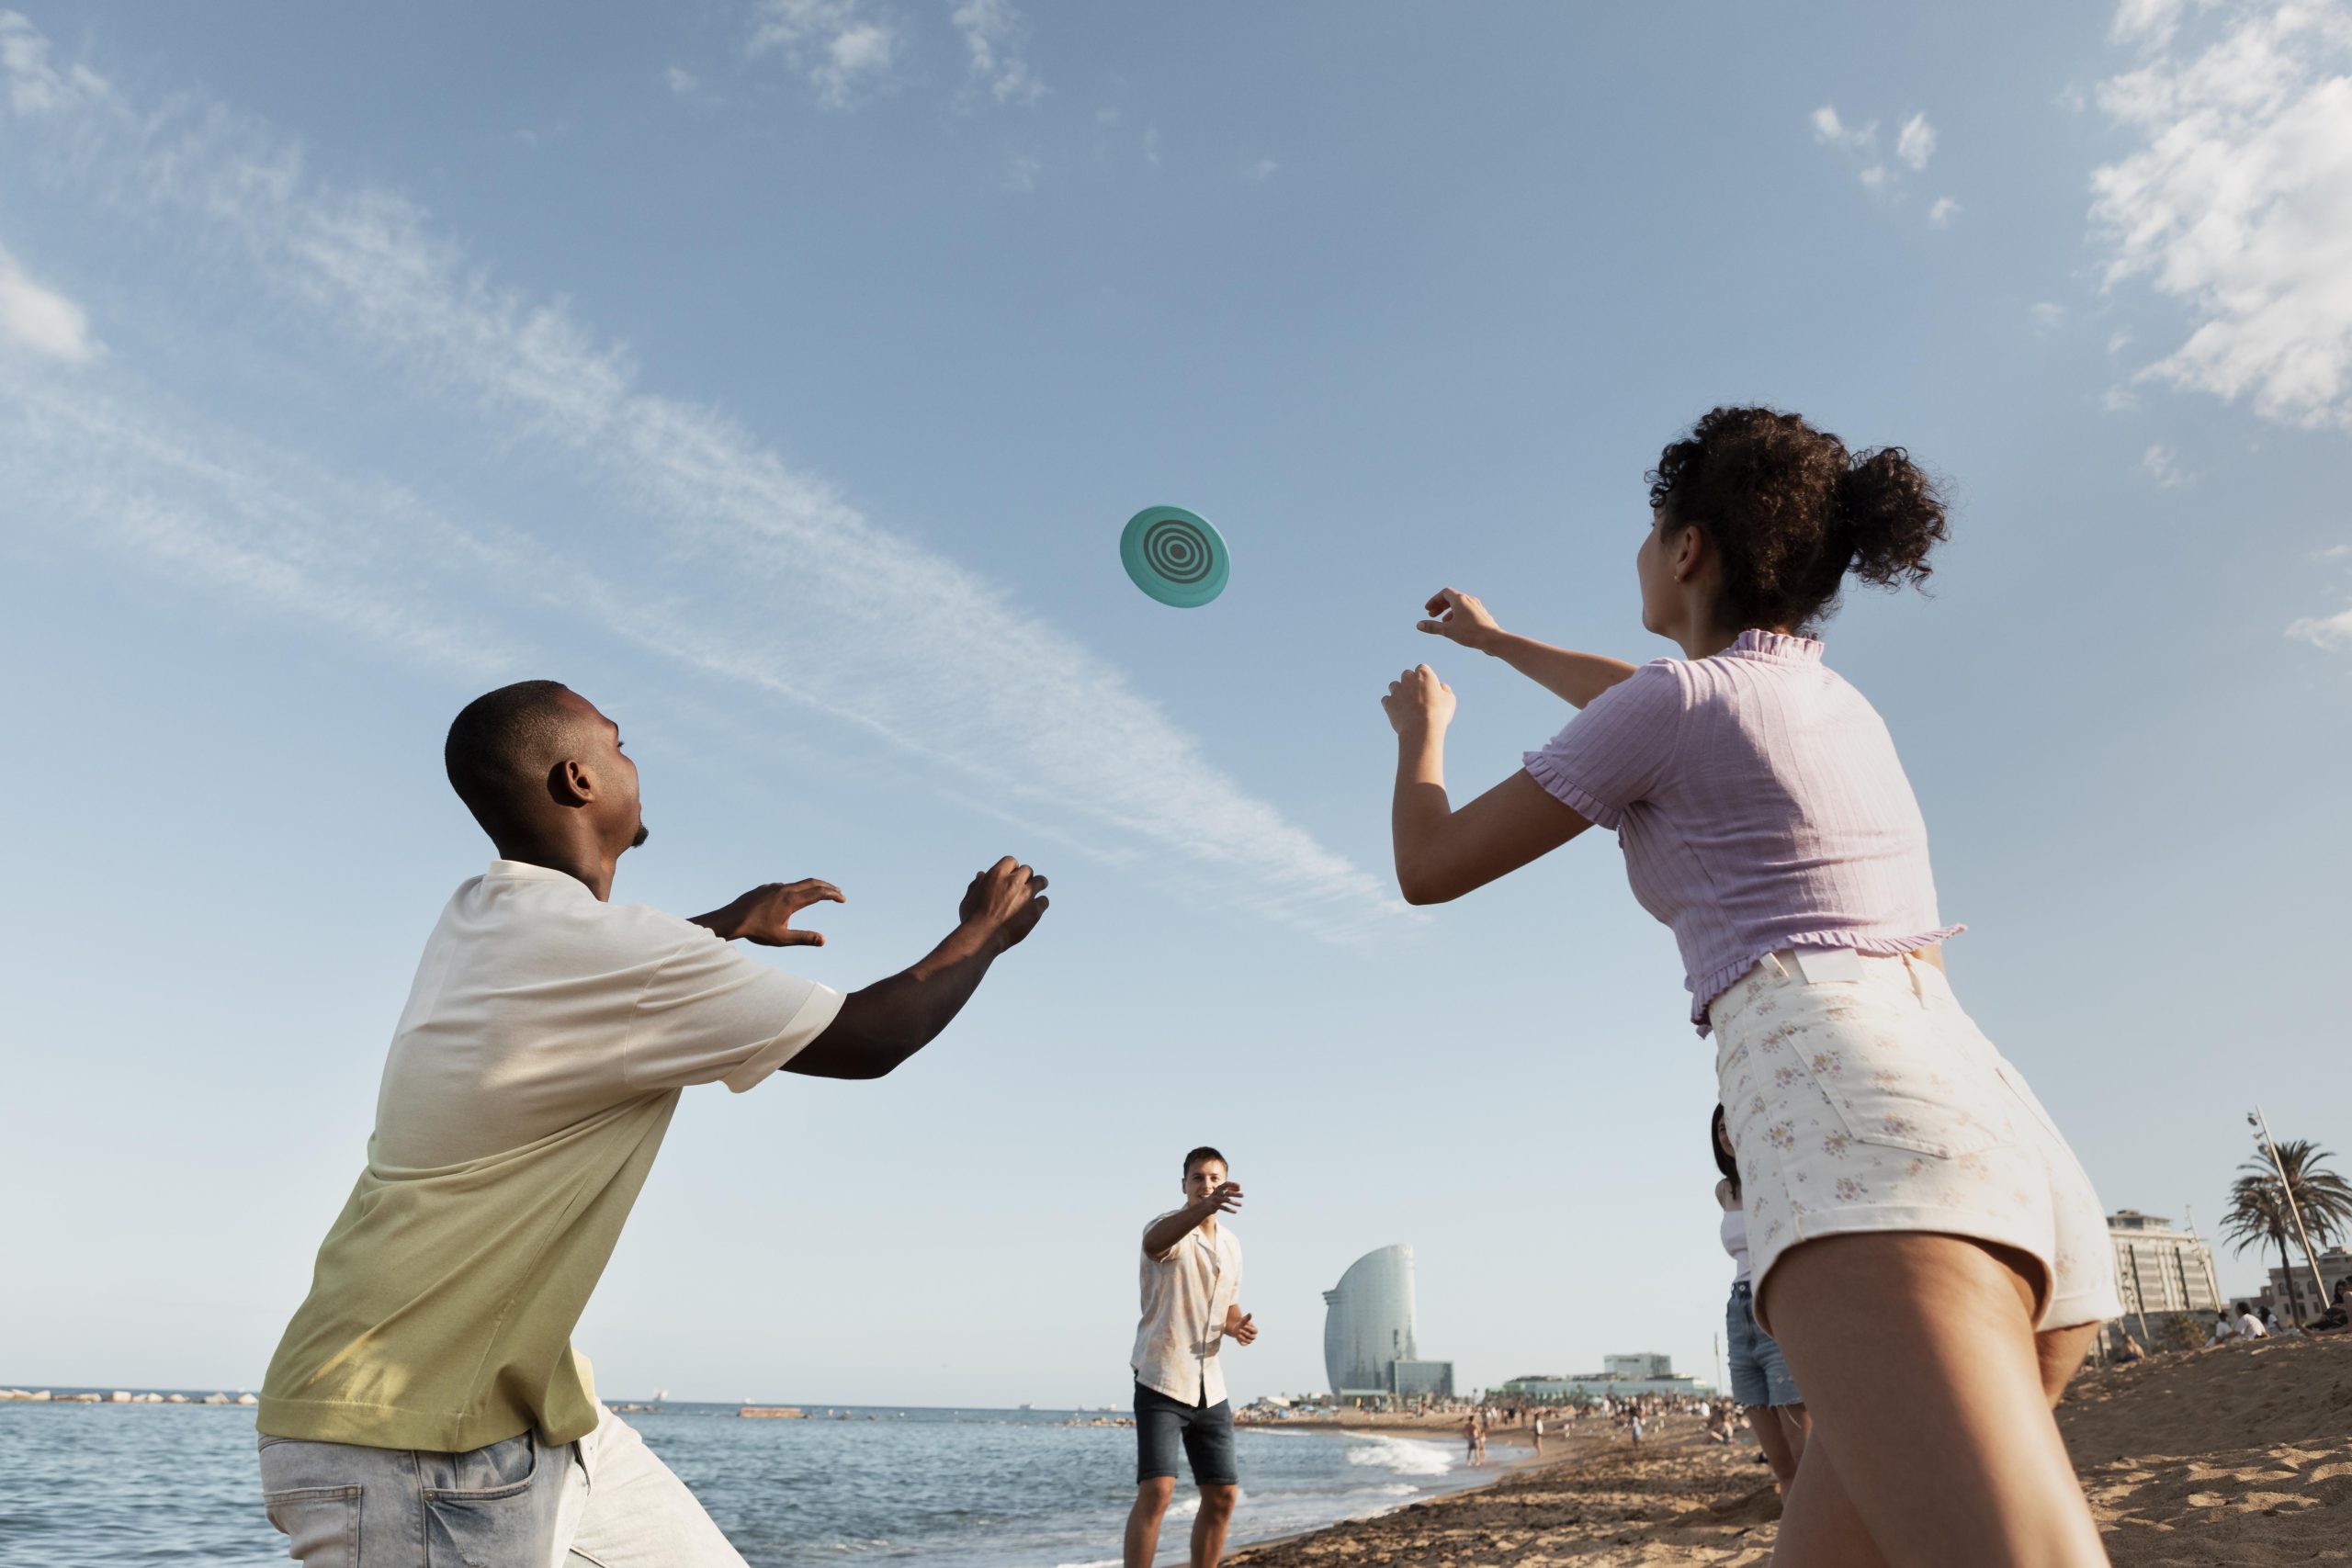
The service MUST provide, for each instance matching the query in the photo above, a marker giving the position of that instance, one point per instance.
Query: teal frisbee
(1175, 556)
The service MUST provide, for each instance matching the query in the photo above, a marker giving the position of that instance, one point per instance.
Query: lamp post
(2270, 1147)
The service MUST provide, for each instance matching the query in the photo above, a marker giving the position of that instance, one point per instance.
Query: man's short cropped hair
(1205, 1152)
(499, 748)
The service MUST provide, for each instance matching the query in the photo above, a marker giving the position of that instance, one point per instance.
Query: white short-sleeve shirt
(1186, 1293)
(537, 1005)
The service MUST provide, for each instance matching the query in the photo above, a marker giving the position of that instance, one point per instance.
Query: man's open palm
(765, 914)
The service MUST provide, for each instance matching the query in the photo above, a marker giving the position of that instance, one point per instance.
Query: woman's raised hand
(1418, 703)
(1458, 617)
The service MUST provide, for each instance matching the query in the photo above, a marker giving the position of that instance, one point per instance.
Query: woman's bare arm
(1577, 678)
(1442, 853)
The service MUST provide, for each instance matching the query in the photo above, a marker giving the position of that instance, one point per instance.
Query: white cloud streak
(841, 47)
(2237, 202)
(1942, 213)
(739, 568)
(40, 320)
(989, 28)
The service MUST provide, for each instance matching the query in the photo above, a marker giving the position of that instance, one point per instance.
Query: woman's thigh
(1926, 1384)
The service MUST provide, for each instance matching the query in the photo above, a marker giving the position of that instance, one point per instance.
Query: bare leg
(1928, 1388)
(1143, 1519)
(1208, 1530)
(1782, 1440)
(1832, 1532)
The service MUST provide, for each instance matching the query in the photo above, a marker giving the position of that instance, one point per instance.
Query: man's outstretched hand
(765, 914)
(1008, 898)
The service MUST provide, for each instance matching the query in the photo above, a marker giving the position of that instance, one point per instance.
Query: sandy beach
(2237, 1456)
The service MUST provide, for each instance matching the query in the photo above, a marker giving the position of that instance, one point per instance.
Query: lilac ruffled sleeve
(1619, 749)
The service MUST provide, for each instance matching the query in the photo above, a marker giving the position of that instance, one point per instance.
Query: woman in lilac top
(1930, 1256)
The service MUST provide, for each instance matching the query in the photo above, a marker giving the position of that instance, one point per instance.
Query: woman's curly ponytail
(1791, 513)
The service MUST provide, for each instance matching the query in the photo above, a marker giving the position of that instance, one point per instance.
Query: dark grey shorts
(1205, 1431)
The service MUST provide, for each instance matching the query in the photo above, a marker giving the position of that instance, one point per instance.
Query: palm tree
(2258, 1211)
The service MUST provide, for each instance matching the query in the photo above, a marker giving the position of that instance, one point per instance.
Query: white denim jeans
(602, 1502)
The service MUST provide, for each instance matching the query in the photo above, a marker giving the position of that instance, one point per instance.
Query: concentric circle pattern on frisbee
(1174, 555)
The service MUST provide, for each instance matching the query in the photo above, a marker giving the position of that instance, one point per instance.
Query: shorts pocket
(2023, 1092)
(321, 1524)
(1892, 1081)
(478, 1510)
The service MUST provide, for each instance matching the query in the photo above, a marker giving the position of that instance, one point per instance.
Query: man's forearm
(1575, 677)
(1167, 1233)
(882, 1024)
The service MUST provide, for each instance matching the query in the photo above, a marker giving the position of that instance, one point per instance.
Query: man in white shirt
(1191, 1278)
(2249, 1325)
(425, 1404)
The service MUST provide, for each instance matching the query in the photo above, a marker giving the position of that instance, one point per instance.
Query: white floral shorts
(1866, 1099)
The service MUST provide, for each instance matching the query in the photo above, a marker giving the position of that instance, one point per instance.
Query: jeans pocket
(480, 1511)
(321, 1524)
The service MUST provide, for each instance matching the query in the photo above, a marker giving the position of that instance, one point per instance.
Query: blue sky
(780, 374)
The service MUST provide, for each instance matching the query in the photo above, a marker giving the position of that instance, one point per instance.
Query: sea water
(83, 1486)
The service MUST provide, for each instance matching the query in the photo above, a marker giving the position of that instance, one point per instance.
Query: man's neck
(583, 863)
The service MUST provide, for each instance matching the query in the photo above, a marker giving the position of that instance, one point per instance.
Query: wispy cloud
(173, 491)
(991, 29)
(2145, 21)
(2238, 201)
(1262, 169)
(723, 555)
(2326, 632)
(41, 319)
(2330, 632)
(681, 81)
(2048, 315)
(844, 47)
(36, 88)
(1917, 143)
(2163, 465)
(1881, 174)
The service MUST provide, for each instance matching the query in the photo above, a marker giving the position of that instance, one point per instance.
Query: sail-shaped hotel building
(1369, 1350)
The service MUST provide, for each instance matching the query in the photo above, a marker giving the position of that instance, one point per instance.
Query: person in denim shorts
(1761, 1379)
(1191, 1278)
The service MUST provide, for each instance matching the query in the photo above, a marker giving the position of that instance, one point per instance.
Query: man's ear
(568, 783)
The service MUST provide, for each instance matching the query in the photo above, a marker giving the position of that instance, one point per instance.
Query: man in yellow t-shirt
(425, 1399)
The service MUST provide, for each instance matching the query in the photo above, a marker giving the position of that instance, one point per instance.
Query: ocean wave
(1406, 1456)
(1185, 1507)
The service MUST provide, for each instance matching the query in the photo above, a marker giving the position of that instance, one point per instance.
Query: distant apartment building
(1369, 1348)
(2294, 1285)
(1645, 1372)
(2158, 1269)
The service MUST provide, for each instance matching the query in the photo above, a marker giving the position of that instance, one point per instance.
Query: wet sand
(2236, 1456)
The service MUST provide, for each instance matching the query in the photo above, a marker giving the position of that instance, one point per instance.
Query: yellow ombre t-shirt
(529, 1083)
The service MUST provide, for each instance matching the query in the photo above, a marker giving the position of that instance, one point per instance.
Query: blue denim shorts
(1205, 1432)
(1758, 1375)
